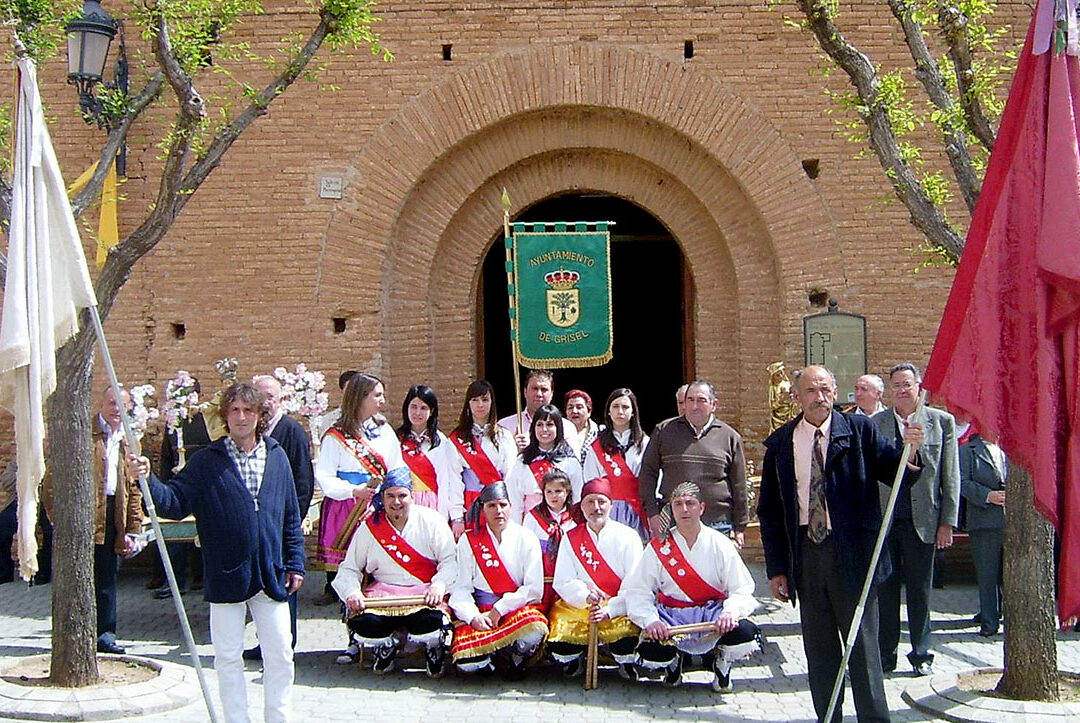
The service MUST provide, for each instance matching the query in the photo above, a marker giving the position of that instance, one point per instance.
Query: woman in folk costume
(428, 452)
(486, 452)
(356, 455)
(549, 521)
(579, 407)
(547, 450)
(616, 454)
(500, 579)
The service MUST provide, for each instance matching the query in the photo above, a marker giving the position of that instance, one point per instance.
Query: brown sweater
(715, 462)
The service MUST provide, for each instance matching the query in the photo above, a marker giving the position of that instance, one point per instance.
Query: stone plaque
(330, 187)
(837, 340)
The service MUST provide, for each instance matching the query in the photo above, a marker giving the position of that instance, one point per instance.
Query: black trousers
(986, 551)
(622, 646)
(106, 564)
(913, 568)
(827, 600)
(657, 652)
(369, 625)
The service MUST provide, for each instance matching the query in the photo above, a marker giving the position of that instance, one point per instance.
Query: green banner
(562, 294)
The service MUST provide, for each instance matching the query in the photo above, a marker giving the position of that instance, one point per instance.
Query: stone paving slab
(771, 686)
(939, 696)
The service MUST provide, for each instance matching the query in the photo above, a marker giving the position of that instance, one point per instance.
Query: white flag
(47, 284)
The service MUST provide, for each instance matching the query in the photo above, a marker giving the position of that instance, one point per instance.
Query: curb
(173, 687)
(939, 696)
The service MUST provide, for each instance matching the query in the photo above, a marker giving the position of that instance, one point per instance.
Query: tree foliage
(193, 62)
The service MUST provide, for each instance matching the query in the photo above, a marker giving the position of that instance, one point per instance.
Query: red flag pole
(886, 521)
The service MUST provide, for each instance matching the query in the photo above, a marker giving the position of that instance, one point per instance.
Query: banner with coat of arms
(562, 294)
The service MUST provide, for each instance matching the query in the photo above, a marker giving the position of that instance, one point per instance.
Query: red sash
(491, 565)
(589, 556)
(539, 468)
(624, 483)
(421, 467)
(551, 527)
(475, 456)
(365, 454)
(400, 551)
(683, 574)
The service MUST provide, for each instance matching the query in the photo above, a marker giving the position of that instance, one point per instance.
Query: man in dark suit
(241, 491)
(297, 447)
(820, 517)
(983, 469)
(926, 513)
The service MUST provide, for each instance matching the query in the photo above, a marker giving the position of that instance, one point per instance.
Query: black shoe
(110, 646)
(574, 668)
(988, 632)
(923, 669)
(627, 671)
(721, 681)
(673, 676)
(385, 659)
(165, 592)
(515, 672)
(888, 666)
(435, 661)
(253, 653)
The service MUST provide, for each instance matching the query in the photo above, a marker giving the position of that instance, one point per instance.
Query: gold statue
(782, 406)
(215, 425)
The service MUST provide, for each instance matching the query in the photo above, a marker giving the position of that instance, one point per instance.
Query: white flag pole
(886, 521)
(148, 500)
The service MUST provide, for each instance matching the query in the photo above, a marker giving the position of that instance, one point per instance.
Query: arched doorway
(652, 295)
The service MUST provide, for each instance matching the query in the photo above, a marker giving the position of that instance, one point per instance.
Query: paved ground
(769, 687)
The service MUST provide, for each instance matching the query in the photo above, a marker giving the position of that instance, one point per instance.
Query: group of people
(509, 538)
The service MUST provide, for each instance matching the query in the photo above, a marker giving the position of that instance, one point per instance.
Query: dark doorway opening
(652, 296)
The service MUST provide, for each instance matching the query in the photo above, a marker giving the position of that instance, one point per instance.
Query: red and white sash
(594, 563)
(365, 454)
(424, 475)
(400, 551)
(491, 565)
(624, 483)
(552, 527)
(539, 468)
(475, 456)
(683, 575)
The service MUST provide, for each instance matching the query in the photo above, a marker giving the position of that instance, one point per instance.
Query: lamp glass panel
(96, 51)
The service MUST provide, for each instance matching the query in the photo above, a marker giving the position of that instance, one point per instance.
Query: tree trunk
(74, 613)
(1030, 651)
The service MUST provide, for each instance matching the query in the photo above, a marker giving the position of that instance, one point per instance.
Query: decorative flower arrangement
(181, 400)
(301, 391)
(141, 413)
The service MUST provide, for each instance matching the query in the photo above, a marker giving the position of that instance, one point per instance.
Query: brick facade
(542, 97)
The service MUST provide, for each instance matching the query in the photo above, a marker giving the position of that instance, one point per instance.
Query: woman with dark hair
(356, 455)
(547, 450)
(428, 453)
(486, 452)
(616, 454)
(549, 520)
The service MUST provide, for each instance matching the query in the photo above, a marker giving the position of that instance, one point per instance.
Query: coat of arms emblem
(563, 302)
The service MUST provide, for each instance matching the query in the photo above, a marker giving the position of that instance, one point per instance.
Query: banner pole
(148, 501)
(868, 582)
(510, 286)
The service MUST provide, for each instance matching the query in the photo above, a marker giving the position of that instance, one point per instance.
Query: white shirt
(715, 559)
(447, 464)
(530, 523)
(113, 438)
(525, 492)
(520, 552)
(580, 441)
(335, 457)
(633, 455)
(619, 545)
(861, 413)
(503, 457)
(803, 440)
(425, 530)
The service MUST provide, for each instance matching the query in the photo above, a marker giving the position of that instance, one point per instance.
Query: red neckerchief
(475, 456)
(419, 463)
(682, 573)
(589, 556)
(491, 565)
(365, 454)
(400, 551)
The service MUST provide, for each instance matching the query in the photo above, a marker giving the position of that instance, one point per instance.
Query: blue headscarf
(397, 477)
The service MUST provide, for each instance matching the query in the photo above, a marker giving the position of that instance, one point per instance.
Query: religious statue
(782, 406)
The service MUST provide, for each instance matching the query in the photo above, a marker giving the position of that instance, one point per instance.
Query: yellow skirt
(571, 625)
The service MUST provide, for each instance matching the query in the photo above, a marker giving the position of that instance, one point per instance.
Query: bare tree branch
(927, 73)
(954, 26)
(924, 214)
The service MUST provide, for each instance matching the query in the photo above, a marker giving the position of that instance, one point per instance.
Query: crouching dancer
(408, 552)
(690, 574)
(593, 560)
(499, 584)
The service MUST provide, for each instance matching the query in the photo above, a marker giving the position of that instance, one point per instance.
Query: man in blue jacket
(820, 516)
(240, 489)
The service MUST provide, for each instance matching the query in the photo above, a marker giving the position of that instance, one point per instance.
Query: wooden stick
(592, 657)
(392, 601)
(691, 628)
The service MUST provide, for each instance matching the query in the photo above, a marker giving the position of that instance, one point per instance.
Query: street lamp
(89, 38)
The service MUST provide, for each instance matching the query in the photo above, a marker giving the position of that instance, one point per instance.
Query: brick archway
(581, 117)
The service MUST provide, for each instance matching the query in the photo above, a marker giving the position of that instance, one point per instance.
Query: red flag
(1008, 346)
